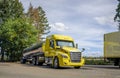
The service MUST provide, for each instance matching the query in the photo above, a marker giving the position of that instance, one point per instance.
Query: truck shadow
(61, 68)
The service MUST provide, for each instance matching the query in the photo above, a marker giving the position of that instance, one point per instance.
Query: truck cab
(60, 51)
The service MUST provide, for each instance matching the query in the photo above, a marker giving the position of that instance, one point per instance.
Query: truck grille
(75, 56)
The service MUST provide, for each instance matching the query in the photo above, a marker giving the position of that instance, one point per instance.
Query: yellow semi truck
(112, 47)
(56, 50)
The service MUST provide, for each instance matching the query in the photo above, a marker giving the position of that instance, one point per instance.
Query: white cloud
(87, 32)
(88, 44)
(101, 20)
(96, 8)
(59, 27)
(105, 20)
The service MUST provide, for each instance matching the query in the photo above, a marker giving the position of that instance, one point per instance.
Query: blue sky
(85, 20)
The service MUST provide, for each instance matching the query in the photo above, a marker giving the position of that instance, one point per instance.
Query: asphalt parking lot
(17, 70)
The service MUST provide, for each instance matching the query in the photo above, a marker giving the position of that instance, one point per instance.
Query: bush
(96, 62)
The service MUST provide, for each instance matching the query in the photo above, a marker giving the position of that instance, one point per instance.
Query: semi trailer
(56, 51)
(112, 47)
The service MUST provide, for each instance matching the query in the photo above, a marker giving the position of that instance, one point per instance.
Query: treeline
(96, 61)
(19, 30)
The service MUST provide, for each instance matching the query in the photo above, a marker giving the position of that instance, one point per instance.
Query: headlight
(64, 56)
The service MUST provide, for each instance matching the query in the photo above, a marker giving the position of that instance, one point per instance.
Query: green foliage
(19, 33)
(117, 16)
(10, 9)
(19, 30)
(95, 61)
(38, 18)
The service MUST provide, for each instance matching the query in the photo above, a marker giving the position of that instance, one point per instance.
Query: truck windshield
(64, 43)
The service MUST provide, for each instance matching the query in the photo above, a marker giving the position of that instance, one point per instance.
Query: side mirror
(83, 49)
(76, 45)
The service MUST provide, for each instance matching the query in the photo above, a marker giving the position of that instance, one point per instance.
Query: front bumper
(66, 62)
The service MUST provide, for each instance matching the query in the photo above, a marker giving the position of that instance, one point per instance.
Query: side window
(52, 43)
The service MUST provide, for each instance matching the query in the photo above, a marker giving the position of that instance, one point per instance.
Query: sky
(85, 20)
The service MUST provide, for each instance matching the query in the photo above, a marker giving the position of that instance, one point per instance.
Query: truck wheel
(23, 61)
(56, 63)
(77, 67)
(30, 62)
(33, 61)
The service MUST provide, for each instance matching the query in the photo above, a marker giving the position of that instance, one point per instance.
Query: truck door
(52, 48)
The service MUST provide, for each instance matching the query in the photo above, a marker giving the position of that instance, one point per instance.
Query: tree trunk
(2, 54)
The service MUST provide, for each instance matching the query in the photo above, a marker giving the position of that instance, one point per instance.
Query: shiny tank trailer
(56, 50)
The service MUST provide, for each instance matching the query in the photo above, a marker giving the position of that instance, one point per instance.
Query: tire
(23, 61)
(34, 61)
(77, 67)
(30, 62)
(56, 63)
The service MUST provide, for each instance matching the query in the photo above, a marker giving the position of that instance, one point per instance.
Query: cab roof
(60, 37)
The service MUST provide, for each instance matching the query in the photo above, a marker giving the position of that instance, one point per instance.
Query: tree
(38, 18)
(117, 15)
(11, 19)
(20, 34)
(9, 10)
